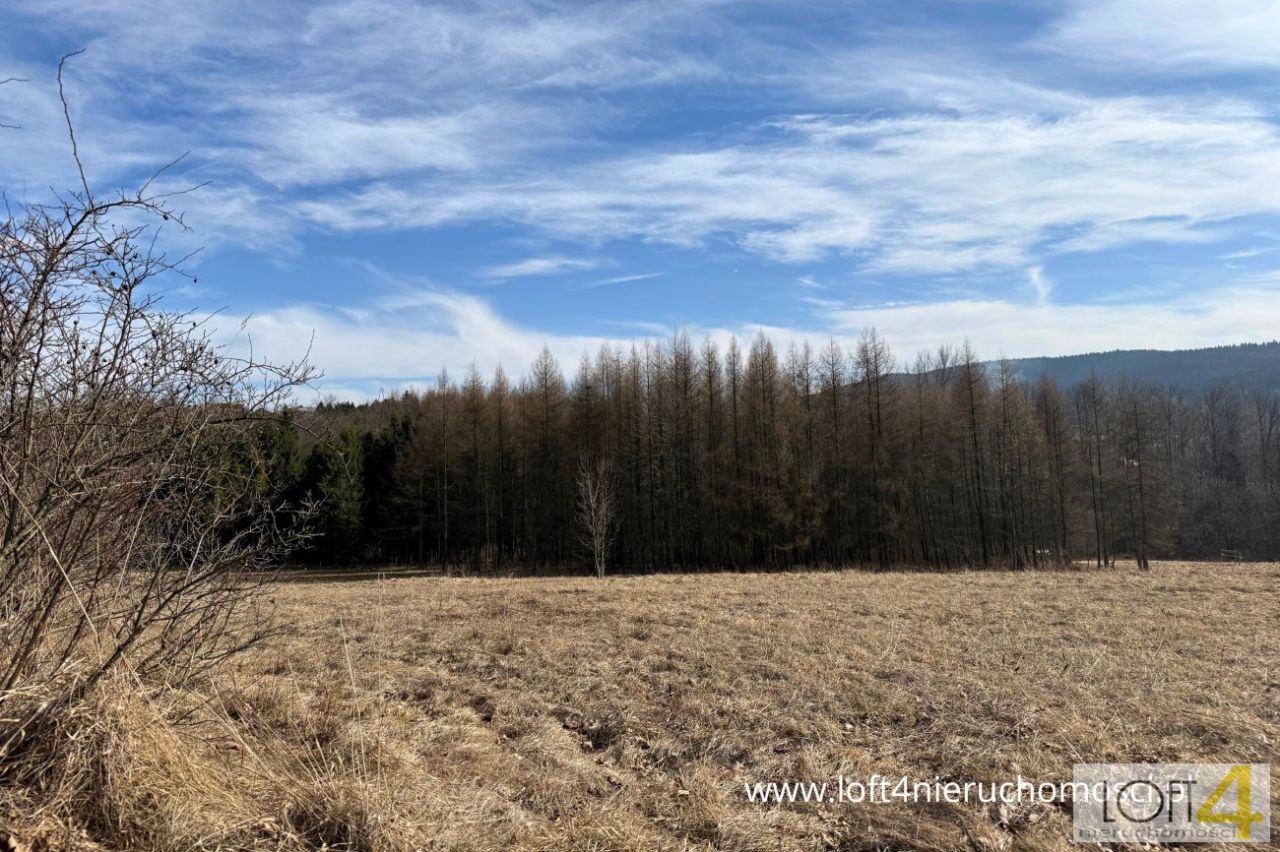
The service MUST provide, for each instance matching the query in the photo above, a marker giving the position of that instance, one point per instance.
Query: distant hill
(1245, 365)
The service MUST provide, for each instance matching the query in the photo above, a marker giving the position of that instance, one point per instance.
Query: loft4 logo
(1171, 802)
(1142, 800)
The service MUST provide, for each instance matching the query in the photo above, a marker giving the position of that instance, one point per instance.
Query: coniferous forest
(751, 456)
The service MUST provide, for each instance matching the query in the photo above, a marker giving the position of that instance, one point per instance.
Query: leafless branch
(71, 130)
(126, 538)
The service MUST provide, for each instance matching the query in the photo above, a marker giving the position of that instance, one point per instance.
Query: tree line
(748, 457)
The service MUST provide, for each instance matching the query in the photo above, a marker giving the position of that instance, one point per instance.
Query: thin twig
(71, 131)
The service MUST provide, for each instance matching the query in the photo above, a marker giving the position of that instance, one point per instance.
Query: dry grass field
(626, 714)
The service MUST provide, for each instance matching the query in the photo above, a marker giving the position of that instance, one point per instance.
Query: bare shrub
(127, 543)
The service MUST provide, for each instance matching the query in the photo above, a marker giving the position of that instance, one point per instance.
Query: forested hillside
(751, 457)
(1248, 366)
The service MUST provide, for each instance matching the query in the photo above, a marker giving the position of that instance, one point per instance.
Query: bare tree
(596, 503)
(126, 541)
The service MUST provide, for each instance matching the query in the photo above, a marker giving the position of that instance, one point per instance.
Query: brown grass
(559, 714)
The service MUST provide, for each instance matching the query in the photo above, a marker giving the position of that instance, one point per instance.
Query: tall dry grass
(626, 714)
(130, 768)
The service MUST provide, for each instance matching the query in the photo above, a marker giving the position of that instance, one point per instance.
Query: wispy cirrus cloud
(1171, 33)
(539, 266)
(625, 279)
(1040, 284)
(296, 98)
(919, 193)
(387, 114)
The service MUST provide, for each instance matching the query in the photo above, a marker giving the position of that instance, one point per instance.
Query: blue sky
(418, 185)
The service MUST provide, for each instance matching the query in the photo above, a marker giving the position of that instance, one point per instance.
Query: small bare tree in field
(596, 512)
(126, 542)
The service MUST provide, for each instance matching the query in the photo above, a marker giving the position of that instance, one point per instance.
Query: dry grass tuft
(272, 769)
(116, 767)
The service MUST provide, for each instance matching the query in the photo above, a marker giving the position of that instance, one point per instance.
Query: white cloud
(539, 266)
(1162, 33)
(400, 339)
(936, 76)
(1040, 285)
(313, 141)
(626, 279)
(922, 193)
(999, 328)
